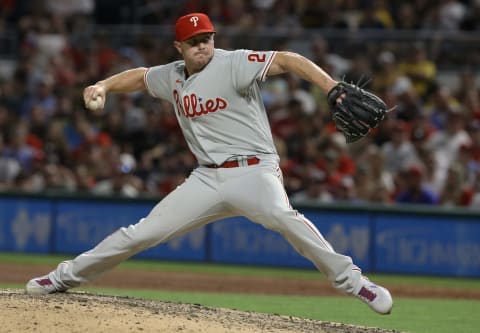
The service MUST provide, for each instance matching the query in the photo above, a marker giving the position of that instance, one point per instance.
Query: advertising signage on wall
(25, 225)
(378, 240)
(427, 245)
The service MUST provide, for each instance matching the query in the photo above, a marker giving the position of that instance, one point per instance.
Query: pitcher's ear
(177, 46)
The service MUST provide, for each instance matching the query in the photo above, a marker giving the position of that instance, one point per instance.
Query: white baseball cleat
(376, 297)
(42, 285)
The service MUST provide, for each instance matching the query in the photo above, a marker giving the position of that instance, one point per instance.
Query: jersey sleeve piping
(263, 75)
(146, 82)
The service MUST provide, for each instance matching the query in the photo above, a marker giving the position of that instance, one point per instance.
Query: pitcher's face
(196, 51)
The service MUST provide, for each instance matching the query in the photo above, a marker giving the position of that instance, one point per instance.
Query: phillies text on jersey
(219, 109)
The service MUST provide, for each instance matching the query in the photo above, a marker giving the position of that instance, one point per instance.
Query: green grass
(409, 315)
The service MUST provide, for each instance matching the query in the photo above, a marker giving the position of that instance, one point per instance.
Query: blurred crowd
(427, 151)
(271, 14)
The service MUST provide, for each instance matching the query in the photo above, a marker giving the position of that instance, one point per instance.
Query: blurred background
(421, 56)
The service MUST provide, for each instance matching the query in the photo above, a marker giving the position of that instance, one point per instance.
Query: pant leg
(259, 195)
(193, 204)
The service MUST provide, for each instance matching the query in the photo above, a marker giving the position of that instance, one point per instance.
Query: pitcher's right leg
(193, 204)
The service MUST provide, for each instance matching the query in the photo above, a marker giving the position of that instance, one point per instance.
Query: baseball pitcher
(218, 104)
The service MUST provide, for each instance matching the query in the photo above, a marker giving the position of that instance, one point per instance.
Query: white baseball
(95, 104)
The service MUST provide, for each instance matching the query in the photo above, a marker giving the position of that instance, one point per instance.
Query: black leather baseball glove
(358, 112)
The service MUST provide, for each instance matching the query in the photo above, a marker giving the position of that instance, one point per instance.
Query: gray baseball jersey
(219, 109)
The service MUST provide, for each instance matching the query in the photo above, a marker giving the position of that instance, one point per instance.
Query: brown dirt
(208, 282)
(83, 312)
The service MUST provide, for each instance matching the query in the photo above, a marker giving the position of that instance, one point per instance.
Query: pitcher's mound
(84, 312)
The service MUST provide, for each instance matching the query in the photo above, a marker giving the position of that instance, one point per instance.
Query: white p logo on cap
(194, 20)
(192, 24)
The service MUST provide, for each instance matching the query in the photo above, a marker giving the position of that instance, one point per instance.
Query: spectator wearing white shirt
(399, 152)
(447, 143)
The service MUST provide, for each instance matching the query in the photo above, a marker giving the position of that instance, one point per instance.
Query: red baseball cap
(190, 25)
